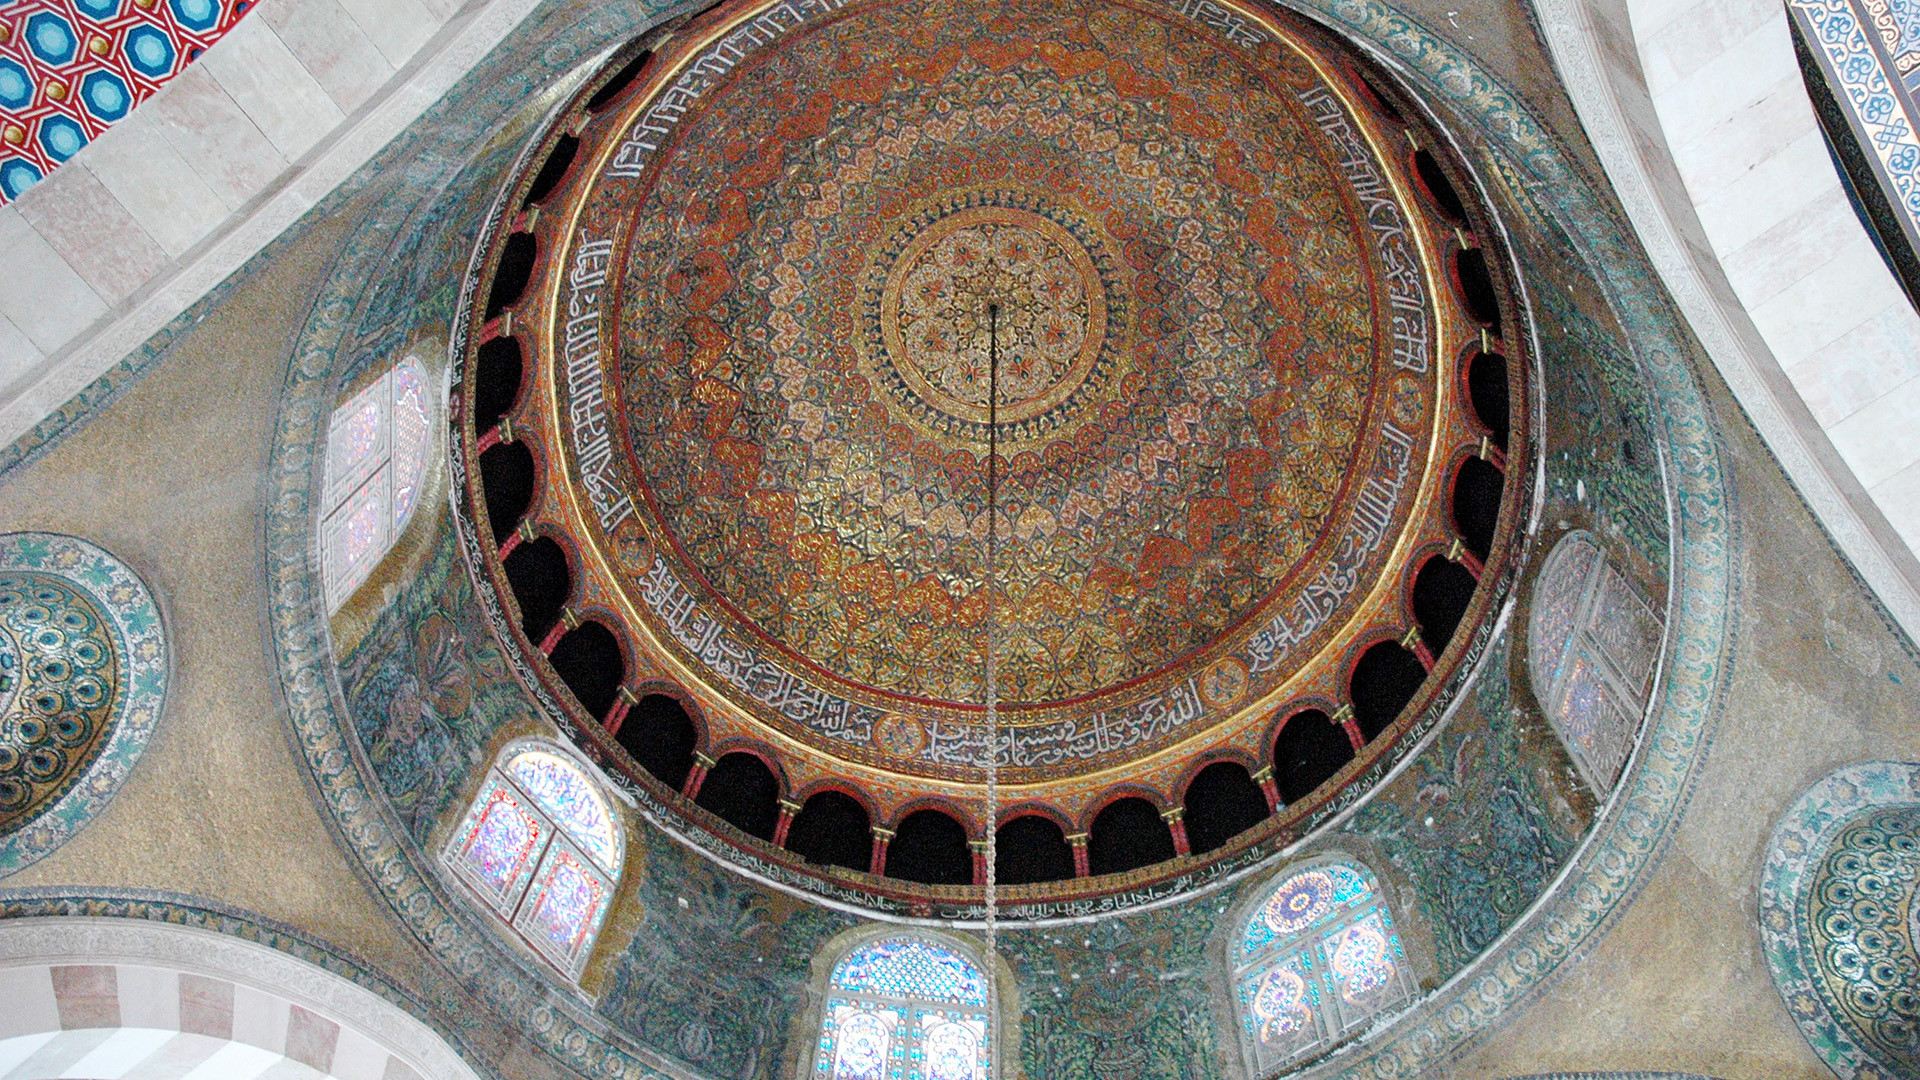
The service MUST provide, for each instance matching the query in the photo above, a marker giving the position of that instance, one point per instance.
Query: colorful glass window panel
(503, 837)
(70, 69)
(409, 437)
(859, 1041)
(378, 446)
(912, 968)
(564, 909)
(952, 1048)
(1318, 955)
(564, 792)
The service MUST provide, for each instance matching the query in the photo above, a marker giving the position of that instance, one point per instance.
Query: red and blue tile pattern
(69, 69)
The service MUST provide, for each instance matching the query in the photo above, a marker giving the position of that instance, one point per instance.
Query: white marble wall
(1741, 131)
(156, 211)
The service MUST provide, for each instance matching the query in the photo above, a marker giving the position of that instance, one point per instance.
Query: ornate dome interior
(897, 540)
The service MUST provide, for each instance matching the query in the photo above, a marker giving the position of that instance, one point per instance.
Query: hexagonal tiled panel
(71, 68)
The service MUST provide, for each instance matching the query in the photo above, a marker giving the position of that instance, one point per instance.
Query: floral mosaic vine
(83, 677)
(1839, 898)
(70, 69)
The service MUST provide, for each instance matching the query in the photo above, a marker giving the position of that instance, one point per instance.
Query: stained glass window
(905, 1007)
(377, 452)
(540, 847)
(1316, 959)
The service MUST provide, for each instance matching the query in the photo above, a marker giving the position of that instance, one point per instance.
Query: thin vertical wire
(992, 642)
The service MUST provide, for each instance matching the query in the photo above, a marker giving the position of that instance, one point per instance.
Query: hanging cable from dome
(992, 642)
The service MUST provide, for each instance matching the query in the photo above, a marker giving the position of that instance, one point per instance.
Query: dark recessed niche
(1128, 835)
(516, 269)
(506, 478)
(553, 170)
(1441, 592)
(744, 793)
(1386, 678)
(1434, 179)
(1222, 802)
(1476, 287)
(537, 572)
(587, 658)
(930, 847)
(659, 735)
(1487, 393)
(1476, 504)
(618, 84)
(832, 829)
(1308, 751)
(498, 370)
(1031, 849)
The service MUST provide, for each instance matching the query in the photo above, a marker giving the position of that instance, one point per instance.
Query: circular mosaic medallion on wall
(1838, 918)
(83, 676)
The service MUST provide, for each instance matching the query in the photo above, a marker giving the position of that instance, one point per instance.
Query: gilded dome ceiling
(770, 290)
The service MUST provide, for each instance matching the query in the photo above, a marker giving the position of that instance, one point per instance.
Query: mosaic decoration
(1840, 918)
(70, 69)
(376, 461)
(1113, 1024)
(540, 848)
(914, 1009)
(83, 677)
(1591, 646)
(1318, 957)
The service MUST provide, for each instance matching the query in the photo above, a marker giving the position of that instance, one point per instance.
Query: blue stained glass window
(906, 1007)
(1318, 956)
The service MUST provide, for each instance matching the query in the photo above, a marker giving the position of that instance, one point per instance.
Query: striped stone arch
(121, 999)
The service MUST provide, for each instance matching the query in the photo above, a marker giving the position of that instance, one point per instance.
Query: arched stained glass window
(1316, 959)
(906, 1007)
(377, 450)
(539, 845)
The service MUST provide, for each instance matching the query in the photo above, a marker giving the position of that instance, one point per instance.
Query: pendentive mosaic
(70, 69)
(83, 676)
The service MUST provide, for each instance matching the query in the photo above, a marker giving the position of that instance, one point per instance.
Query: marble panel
(149, 997)
(1872, 359)
(273, 87)
(164, 193)
(58, 1054)
(259, 1019)
(1793, 176)
(311, 1038)
(1898, 497)
(19, 1048)
(28, 993)
(1732, 148)
(334, 50)
(1720, 86)
(18, 354)
(93, 232)
(1803, 241)
(234, 1061)
(356, 1057)
(1696, 32)
(120, 1052)
(88, 995)
(396, 27)
(180, 1056)
(40, 293)
(1882, 438)
(1828, 302)
(215, 136)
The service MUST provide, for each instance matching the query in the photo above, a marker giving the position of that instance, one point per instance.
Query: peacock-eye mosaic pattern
(70, 69)
(82, 679)
(1839, 899)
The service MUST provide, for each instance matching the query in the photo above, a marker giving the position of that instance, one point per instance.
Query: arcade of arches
(903, 540)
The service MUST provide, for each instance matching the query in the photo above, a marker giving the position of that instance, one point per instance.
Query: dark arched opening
(744, 793)
(617, 85)
(1222, 802)
(1434, 179)
(496, 381)
(832, 829)
(660, 737)
(1128, 835)
(1476, 504)
(506, 479)
(1476, 287)
(1441, 592)
(1487, 392)
(1031, 849)
(930, 848)
(1308, 751)
(516, 269)
(553, 170)
(1384, 681)
(587, 658)
(537, 572)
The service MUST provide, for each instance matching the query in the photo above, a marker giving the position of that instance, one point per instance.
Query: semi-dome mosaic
(758, 302)
(83, 675)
